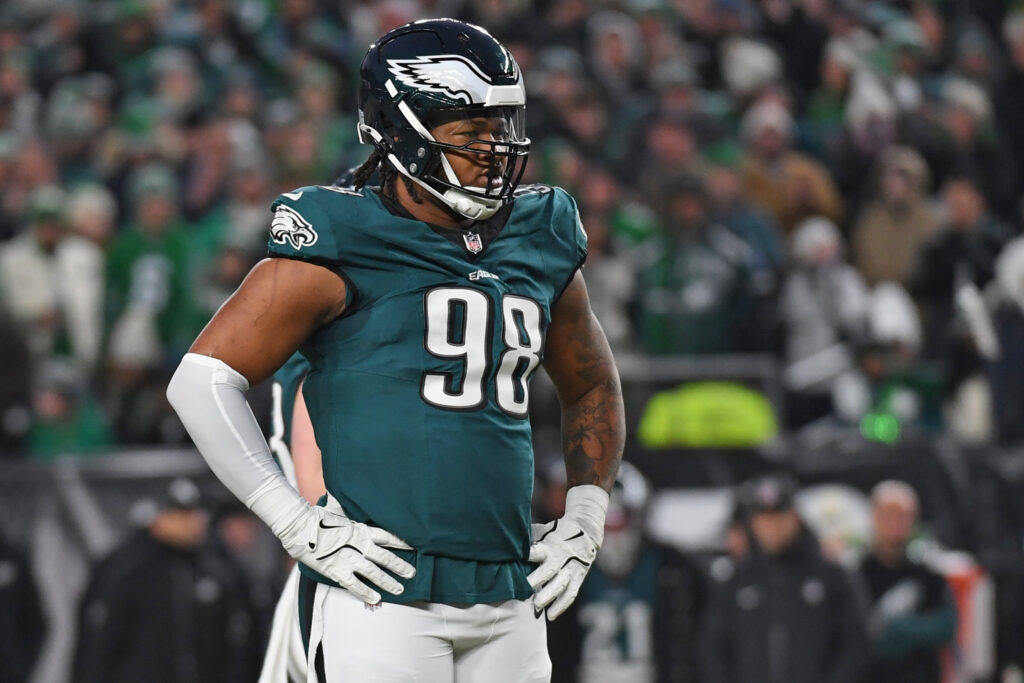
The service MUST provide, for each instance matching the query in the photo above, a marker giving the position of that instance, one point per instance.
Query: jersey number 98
(459, 324)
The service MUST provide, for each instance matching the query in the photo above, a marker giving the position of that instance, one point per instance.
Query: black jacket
(22, 624)
(158, 614)
(908, 641)
(794, 618)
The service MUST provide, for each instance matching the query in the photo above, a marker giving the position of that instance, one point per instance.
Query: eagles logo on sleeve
(289, 226)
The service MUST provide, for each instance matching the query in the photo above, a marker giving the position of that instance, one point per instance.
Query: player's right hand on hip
(330, 543)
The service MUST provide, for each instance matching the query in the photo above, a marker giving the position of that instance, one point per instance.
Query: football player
(293, 446)
(638, 612)
(423, 306)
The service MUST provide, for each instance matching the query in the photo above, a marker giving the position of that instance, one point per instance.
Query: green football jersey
(418, 393)
(286, 383)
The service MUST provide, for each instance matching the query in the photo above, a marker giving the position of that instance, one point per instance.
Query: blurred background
(805, 228)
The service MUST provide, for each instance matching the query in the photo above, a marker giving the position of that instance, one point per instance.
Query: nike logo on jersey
(294, 196)
(481, 275)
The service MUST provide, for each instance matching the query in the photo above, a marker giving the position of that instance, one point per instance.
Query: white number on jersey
(459, 321)
(617, 635)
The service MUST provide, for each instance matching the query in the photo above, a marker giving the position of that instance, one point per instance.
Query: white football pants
(426, 642)
(285, 659)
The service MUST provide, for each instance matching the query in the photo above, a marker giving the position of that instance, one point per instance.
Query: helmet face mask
(424, 75)
(504, 151)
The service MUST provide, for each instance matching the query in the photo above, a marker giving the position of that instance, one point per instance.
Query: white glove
(566, 549)
(209, 397)
(330, 543)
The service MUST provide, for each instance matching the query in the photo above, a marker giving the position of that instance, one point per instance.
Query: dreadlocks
(388, 175)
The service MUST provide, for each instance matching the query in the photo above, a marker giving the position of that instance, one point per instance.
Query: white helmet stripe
(421, 129)
(457, 78)
(416, 124)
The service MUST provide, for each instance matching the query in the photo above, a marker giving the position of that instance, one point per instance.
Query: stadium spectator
(151, 306)
(748, 65)
(49, 283)
(670, 151)
(897, 220)
(615, 54)
(167, 605)
(823, 306)
(149, 273)
(786, 614)
(892, 390)
(637, 617)
(801, 28)
(318, 97)
(239, 218)
(822, 122)
(790, 185)
(15, 389)
(22, 102)
(731, 207)
(1005, 370)
(972, 147)
(913, 616)
(9, 201)
(870, 121)
(92, 218)
(1009, 97)
(614, 224)
(698, 290)
(962, 252)
(23, 623)
(67, 419)
(677, 94)
(209, 165)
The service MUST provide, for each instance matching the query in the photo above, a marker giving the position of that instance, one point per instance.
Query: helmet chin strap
(461, 202)
(469, 206)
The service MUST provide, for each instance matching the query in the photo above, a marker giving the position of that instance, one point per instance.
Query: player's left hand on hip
(565, 553)
(566, 549)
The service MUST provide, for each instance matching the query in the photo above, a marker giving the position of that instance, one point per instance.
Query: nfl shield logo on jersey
(473, 242)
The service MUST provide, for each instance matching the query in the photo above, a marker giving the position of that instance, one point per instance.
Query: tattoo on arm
(593, 423)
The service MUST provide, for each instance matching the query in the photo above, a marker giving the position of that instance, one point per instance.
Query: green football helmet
(432, 72)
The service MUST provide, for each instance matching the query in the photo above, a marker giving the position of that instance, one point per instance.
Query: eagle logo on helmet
(289, 226)
(451, 75)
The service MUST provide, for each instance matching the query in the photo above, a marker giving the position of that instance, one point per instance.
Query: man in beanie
(167, 606)
(786, 615)
(43, 285)
(151, 306)
(700, 285)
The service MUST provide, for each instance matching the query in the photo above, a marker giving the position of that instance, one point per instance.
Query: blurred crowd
(836, 184)
(781, 594)
(833, 182)
(777, 603)
(830, 181)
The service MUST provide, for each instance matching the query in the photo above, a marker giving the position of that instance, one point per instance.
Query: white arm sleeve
(209, 397)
